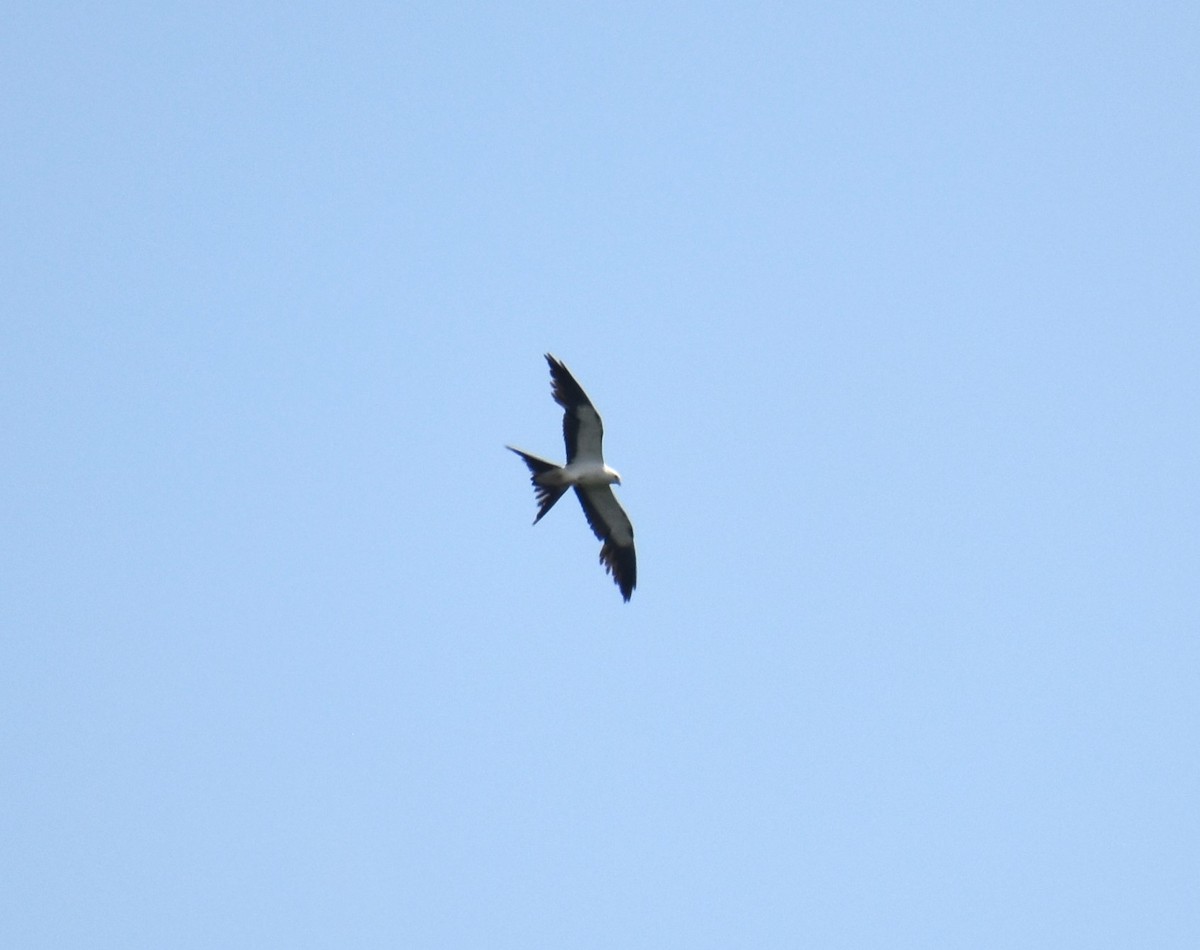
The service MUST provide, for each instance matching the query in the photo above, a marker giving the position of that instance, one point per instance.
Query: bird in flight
(586, 472)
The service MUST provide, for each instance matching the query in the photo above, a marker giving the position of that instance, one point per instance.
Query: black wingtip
(563, 386)
(621, 563)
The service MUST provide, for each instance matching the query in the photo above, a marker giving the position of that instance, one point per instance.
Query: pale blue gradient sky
(893, 315)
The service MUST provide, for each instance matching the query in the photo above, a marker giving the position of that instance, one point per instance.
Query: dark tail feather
(547, 495)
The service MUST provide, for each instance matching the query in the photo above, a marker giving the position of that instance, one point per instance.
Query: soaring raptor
(586, 472)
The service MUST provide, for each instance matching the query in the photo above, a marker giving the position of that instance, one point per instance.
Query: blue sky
(891, 313)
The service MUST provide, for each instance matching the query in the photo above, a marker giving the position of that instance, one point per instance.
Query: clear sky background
(893, 315)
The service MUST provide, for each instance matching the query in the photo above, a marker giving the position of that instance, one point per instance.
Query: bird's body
(586, 472)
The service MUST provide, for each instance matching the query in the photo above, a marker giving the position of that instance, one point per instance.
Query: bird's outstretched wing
(612, 526)
(583, 431)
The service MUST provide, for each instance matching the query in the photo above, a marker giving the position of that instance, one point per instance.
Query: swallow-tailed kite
(586, 472)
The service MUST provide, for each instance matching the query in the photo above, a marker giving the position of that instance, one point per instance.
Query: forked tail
(547, 495)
